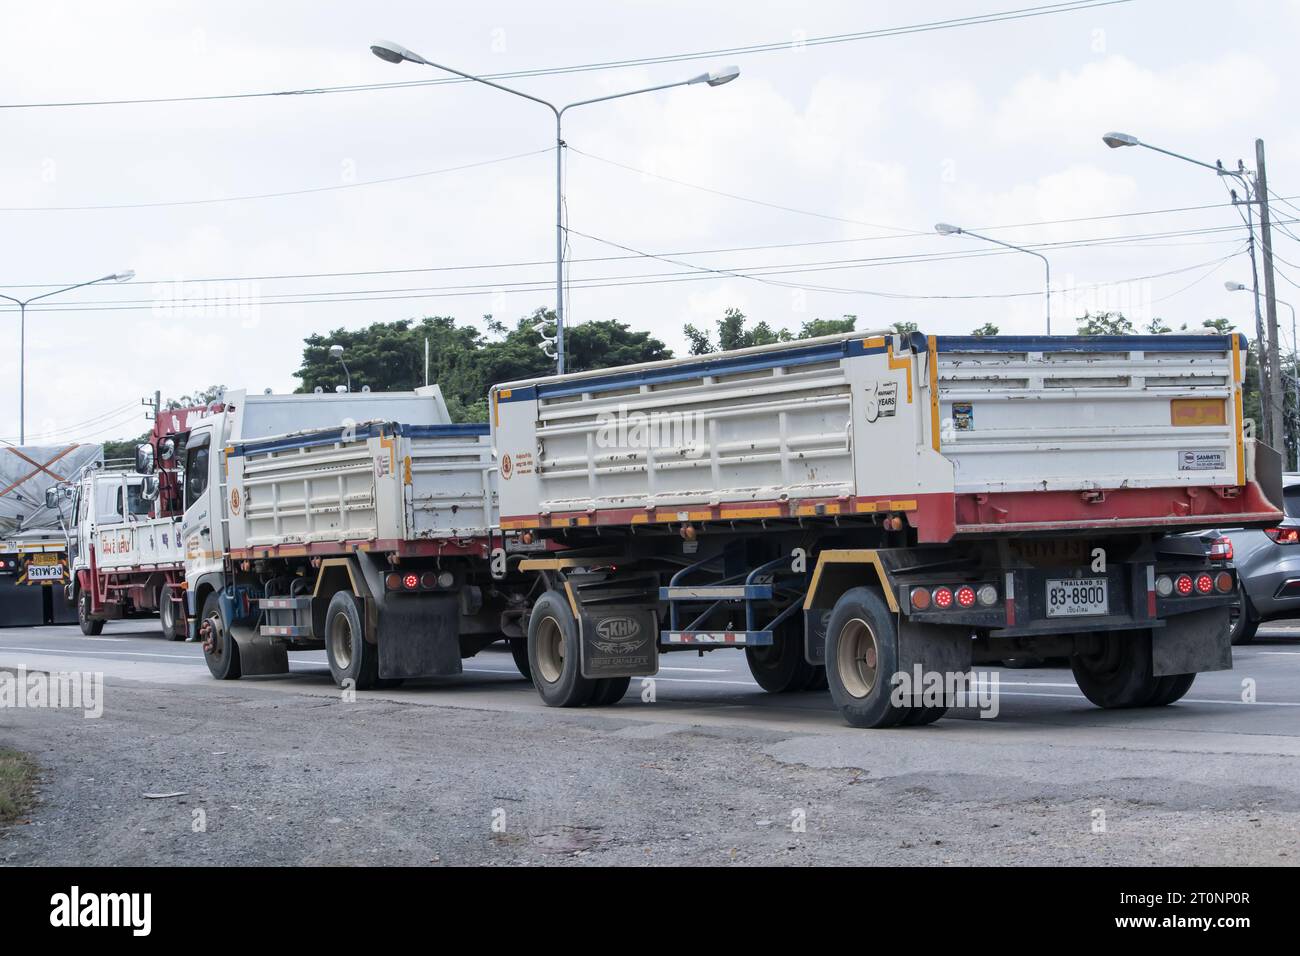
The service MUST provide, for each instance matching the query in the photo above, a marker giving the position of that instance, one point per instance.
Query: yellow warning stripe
(1236, 395)
(933, 354)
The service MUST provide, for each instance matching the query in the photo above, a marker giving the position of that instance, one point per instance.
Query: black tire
(609, 690)
(817, 679)
(780, 667)
(168, 620)
(1022, 663)
(350, 655)
(1171, 689)
(519, 651)
(219, 648)
(1244, 623)
(89, 626)
(861, 659)
(554, 655)
(920, 716)
(1119, 674)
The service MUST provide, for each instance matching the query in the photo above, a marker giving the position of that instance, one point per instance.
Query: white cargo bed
(375, 484)
(122, 538)
(956, 433)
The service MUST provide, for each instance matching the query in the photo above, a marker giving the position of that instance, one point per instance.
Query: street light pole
(1295, 362)
(394, 53)
(1270, 372)
(22, 339)
(945, 229)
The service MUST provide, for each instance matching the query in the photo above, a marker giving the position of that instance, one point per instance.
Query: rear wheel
(167, 617)
(861, 659)
(350, 656)
(1118, 674)
(519, 651)
(89, 626)
(609, 690)
(554, 656)
(780, 667)
(1171, 689)
(219, 647)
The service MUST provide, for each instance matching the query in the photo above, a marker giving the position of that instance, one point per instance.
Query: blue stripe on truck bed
(1084, 343)
(332, 436)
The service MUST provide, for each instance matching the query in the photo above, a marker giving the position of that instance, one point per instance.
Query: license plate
(44, 572)
(1075, 597)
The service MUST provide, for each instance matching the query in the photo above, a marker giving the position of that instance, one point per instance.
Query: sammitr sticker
(963, 416)
(882, 400)
(1202, 460)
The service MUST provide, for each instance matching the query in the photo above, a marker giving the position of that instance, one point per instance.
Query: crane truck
(858, 509)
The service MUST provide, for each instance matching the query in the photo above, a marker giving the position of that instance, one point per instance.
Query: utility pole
(1277, 418)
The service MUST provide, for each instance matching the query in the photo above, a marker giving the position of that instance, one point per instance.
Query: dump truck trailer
(868, 511)
(359, 523)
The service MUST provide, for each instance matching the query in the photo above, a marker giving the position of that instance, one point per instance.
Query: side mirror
(167, 449)
(144, 459)
(52, 498)
(149, 488)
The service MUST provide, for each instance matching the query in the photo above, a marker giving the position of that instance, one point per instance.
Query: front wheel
(167, 617)
(219, 647)
(89, 625)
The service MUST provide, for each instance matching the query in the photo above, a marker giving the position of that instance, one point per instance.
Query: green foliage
(203, 397)
(1104, 323)
(389, 356)
(732, 333)
(903, 328)
(988, 328)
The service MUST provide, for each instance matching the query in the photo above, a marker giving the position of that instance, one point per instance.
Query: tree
(1221, 325)
(816, 328)
(732, 333)
(1104, 323)
(903, 328)
(205, 396)
(389, 356)
(1157, 327)
(988, 328)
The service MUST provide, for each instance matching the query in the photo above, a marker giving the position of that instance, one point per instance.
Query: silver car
(1268, 566)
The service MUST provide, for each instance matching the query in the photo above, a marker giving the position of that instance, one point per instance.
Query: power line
(1023, 13)
(278, 195)
(1144, 239)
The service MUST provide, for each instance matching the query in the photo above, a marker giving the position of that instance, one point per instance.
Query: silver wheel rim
(340, 640)
(550, 650)
(858, 658)
(214, 621)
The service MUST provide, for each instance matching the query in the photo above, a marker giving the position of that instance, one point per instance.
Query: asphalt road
(1211, 779)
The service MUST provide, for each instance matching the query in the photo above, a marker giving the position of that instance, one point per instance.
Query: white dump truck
(359, 523)
(855, 510)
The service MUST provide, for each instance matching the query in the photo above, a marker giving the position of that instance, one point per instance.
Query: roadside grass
(17, 784)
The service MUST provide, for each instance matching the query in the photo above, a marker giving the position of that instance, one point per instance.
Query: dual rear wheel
(554, 655)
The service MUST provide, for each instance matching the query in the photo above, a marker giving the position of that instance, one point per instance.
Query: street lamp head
(336, 351)
(947, 229)
(1234, 286)
(716, 77)
(126, 276)
(1116, 140)
(394, 52)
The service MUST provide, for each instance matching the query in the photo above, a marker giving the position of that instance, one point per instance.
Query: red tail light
(1284, 535)
(410, 582)
(1183, 585)
(1221, 549)
(966, 596)
(942, 598)
(1204, 583)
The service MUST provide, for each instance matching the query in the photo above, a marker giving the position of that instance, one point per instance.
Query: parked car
(1268, 566)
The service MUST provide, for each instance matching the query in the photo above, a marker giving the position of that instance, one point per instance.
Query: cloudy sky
(846, 154)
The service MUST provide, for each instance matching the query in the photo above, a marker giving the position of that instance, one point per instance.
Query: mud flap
(815, 620)
(1191, 643)
(420, 636)
(932, 649)
(258, 655)
(618, 641)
